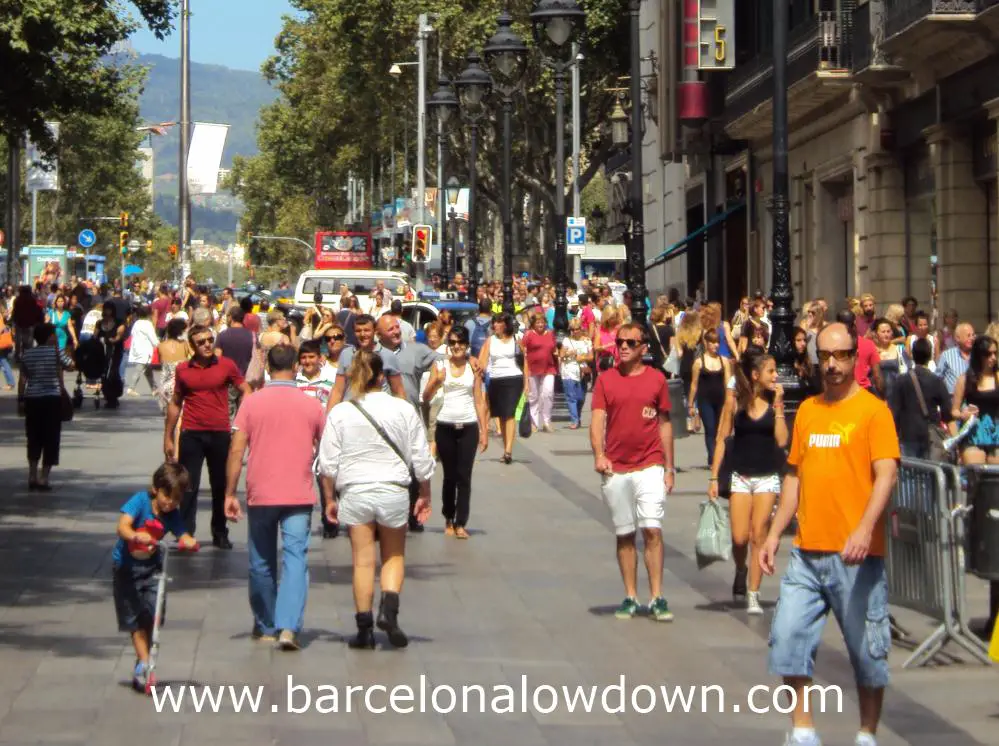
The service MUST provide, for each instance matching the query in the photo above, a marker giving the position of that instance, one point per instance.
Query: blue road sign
(575, 235)
(87, 238)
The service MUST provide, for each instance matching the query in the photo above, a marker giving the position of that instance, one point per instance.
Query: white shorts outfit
(386, 505)
(755, 485)
(636, 499)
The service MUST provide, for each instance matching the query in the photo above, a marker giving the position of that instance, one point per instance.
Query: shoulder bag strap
(381, 431)
(919, 394)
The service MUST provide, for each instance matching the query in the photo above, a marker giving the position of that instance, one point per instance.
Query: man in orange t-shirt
(843, 463)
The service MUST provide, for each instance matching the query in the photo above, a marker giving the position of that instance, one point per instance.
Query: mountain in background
(219, 95)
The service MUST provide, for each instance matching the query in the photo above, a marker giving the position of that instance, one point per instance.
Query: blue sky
(235, 33)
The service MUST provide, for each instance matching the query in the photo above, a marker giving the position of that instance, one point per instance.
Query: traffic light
(123, 220)
(149, 246)
(123, 242)
(422, 241)
(173, 250)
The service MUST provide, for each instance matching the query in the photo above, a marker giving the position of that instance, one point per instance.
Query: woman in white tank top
(505, 382)
(461, 426)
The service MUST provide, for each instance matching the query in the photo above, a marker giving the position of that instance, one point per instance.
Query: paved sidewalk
(529, 595)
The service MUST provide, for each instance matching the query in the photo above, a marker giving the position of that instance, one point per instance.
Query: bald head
(389, 331)
(964, 335)
(835, 337)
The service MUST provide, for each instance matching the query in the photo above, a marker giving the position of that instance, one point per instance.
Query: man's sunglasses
(335, 338)
(840, 355)
(456, 342)
(631, 344)
(203, 341)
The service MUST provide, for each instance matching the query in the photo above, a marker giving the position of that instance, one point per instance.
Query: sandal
(461, 533)
(507, 458)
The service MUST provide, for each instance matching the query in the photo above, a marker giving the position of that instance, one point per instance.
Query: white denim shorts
(636, 499)
(755, 485)
(386, 505)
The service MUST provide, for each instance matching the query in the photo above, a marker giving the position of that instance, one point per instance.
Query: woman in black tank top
(709, 378)
(977, 393)
(755, 421)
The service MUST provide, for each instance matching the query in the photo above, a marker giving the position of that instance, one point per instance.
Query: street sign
(134, 246)
(86, 239)
(716, 34)
(575, 236)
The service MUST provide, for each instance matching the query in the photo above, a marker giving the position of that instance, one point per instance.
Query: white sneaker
(865, 739)
(753, 607)
(811, 739)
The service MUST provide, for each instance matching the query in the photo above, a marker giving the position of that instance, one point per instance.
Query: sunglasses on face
(840, 355)
(631, 344)
(335, 338)
(203, 341)
(456, 343)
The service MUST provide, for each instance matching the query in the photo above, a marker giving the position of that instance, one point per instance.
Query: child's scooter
(161, 593)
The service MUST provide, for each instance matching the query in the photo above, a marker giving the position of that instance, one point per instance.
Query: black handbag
(414, 483)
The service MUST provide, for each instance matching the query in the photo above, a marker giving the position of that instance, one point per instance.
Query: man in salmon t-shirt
(634, 455)
(842, 469)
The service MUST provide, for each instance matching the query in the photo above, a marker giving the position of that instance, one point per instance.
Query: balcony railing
(900, 14)
(820, 42)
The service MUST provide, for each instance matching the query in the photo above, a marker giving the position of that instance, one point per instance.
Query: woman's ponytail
(365, 369)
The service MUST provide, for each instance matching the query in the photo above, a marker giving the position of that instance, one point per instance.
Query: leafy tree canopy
(52, 54)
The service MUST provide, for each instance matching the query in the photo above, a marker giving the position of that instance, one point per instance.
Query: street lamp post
(782, 316)
(506, 53)
(636, 244)
(453, 192)
(443, 103)
(473, 85)
(557, 20)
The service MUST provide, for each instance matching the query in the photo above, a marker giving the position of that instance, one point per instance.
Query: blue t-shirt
(140, 507)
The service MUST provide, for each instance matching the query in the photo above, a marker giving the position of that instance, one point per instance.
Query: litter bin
(983, 522)
(678, 408)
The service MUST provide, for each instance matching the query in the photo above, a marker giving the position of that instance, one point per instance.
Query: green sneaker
(659, 610)
(627, 609)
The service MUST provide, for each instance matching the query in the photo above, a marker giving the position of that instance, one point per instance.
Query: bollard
(678, 408)
(983, 522)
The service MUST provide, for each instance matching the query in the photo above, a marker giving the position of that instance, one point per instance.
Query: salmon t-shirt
(834, 448)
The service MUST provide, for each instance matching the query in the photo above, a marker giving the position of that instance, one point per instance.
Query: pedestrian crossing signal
(422, 239)
(123, 242)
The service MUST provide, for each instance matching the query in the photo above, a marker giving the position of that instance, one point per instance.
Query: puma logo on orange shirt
(840, 435)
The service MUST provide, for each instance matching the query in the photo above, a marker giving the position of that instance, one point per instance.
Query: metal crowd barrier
(925, 557)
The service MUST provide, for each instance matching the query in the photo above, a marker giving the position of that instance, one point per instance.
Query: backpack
(479, 335)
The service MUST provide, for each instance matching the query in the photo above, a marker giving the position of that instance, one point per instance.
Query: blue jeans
(6, 370)
(815, 584)
(575, 395)
(279, 606)
(710, 414)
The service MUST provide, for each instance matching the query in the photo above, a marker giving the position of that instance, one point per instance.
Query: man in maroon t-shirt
(202, 388)
(868, 368)
(161, 307)
(634, 454)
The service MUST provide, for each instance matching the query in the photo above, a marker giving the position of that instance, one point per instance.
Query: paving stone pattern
(527, 599)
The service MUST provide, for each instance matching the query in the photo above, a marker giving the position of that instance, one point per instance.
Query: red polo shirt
(204, 390)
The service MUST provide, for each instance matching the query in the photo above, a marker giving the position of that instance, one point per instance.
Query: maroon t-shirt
(539, 352)
(633, 405)
(162, 306)
(204, 390)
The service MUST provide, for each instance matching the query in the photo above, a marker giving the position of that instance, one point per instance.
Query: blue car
(421, 312)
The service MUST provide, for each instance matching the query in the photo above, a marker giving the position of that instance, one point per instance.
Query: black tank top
(754, 450)
(711, 384)
(986, 401)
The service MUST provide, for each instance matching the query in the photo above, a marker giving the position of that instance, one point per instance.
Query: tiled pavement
(528, 596)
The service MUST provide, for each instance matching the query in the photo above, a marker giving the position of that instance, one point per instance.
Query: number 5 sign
(716, 34)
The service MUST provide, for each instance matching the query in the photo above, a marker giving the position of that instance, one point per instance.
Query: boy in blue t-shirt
(136, 559)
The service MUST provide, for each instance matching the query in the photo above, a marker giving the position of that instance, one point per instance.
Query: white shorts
(755, 485)
(387, 506)
(636, 499)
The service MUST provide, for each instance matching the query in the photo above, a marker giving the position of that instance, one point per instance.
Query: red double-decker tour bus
(344, 250)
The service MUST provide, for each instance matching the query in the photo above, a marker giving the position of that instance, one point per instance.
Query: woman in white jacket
(140, 352)
(373, 446)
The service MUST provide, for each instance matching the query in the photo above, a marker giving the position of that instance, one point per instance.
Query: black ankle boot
(739, 584)
(388, 619)
(365, 637)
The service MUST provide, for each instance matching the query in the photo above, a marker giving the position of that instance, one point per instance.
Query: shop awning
(680, 247)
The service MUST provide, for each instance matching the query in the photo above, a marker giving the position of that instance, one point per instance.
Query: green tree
(340, 111)
(53, 56)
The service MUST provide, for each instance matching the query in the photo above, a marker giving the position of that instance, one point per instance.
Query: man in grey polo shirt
(413, 360)
(364, 328)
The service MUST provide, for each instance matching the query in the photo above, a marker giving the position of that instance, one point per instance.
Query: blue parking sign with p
(575, 231)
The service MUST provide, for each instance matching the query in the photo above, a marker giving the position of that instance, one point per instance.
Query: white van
(361, 282)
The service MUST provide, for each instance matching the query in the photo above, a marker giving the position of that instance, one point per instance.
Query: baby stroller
(92, 364)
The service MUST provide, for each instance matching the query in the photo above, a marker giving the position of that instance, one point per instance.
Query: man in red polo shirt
(202, 389)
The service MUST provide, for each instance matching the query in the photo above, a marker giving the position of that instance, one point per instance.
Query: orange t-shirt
(834, 448)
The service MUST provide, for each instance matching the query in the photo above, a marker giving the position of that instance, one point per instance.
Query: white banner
(42, 176)
(205, 157)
